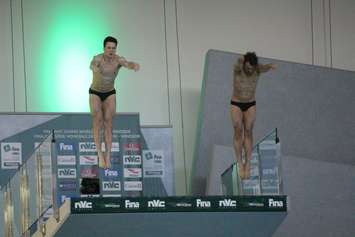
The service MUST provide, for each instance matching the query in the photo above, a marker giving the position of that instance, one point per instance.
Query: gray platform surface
(321, 197)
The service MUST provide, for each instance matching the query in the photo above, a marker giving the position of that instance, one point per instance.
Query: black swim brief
(244, 106)
(103, 95)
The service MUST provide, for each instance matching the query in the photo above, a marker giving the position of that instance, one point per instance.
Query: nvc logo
(227, 203)
(87, 147)
(66, 173)
(111, 186)
(156, 203)
(132, 159)
(83, 205)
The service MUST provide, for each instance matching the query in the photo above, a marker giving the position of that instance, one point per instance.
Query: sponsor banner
(114, 148)
(129, 204)
(111, 186)
(131, 147)
(156, 203)
(66, 160)
(11, 155)
(73, 138)
(65, 147)
(181, 204)
(68, 173)
(112, 205)
(203, 203)
(89, 172)
(87, 147)
(133, 186)
(88, 160)
(91, 147)
(132, 172)
(67, 185)
(227, 203)
(153, 163)
(110, 173)
(132, 160)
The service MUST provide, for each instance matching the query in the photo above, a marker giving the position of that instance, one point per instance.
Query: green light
(70, 39)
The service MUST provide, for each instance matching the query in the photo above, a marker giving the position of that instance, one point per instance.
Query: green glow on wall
(73, 35)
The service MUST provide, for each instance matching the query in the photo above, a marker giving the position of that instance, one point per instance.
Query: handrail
(277, 140)
(259, 183)
(26, 193)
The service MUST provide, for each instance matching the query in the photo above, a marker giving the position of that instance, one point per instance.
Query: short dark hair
(251, 58)
(110, 39)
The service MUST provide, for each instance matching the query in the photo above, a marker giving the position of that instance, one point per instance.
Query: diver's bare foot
(102, 163)
(108, 161)
(241, 172)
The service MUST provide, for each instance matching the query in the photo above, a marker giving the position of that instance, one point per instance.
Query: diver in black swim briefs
(243, 107)
(105, 67)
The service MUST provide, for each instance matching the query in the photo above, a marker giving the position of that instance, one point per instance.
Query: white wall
(172, 37)
(6, 72)
(343, 34)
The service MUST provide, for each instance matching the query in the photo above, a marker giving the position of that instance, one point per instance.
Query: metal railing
(265, 170)
(29, 198)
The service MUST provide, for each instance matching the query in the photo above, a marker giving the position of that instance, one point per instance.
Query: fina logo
(83, 205)
(65, 147)
(155, 155)
(274, 203)
(227, 203)
(148, 155)
(8, 147)
(156, 203)
(200, 203)
(158, 158)
(111, 173)
(129, 204)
